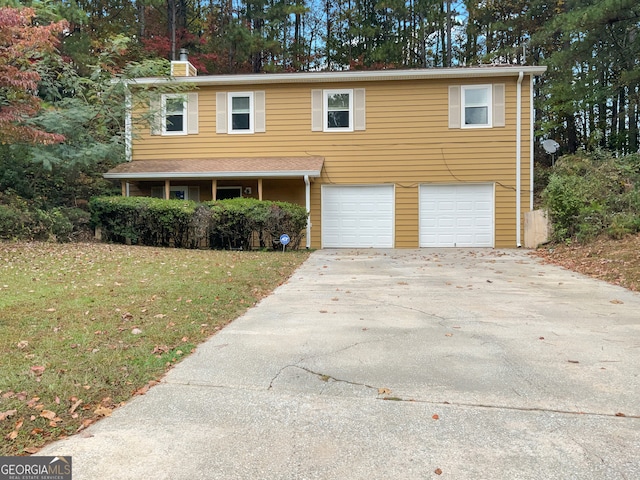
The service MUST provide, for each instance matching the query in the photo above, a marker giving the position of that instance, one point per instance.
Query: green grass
(89, 325)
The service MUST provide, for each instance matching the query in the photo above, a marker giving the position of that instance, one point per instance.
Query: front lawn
(83, 327)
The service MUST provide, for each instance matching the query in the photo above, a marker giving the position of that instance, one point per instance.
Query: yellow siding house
(386, 159)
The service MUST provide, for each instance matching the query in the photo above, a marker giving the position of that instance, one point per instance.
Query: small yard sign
(284, 240)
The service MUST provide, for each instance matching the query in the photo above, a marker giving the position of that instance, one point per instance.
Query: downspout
(128, 129)
(518, 157)
(307, 192)
(532, 116)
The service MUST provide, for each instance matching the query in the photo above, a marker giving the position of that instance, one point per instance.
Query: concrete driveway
(407, 364)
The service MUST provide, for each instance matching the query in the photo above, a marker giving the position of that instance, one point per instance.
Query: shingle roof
(255, 167)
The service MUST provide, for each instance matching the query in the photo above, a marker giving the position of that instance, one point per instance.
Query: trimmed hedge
(238, 223)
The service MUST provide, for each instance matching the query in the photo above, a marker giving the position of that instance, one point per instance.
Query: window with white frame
(241, 112)
(177, 192)
(476, 102)
(338, 110)
(174, 114)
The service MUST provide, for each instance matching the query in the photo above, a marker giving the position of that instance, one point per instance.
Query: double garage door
(363, 216)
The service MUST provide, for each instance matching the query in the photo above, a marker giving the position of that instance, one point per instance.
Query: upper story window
(476, 100)
(241, 112)
(477, 106)
(338, 110)
(174, 115)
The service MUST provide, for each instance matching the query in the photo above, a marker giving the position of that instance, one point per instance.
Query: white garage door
(357, 216)
(456, 216)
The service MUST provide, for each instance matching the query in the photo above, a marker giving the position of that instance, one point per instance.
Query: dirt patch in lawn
(614, 261)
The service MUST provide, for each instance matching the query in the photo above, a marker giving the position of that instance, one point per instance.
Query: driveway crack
(321, 376)
(405, 307)
(506, 407)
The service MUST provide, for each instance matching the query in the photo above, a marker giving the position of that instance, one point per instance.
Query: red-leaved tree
(22, 45)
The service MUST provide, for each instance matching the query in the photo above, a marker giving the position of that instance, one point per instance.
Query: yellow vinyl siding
(406, 216)
(281, 190)
(407, 142)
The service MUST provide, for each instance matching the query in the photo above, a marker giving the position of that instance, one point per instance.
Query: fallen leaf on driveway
(85, 424)
(617, 302)
(384, 391)
(145, 389)
(437, 471)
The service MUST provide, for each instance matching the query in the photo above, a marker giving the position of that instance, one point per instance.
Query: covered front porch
(286, 179)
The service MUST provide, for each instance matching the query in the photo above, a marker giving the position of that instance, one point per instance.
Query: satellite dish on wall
(550, 146)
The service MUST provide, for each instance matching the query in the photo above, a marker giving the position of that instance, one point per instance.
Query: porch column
(123, 187)
(259, 189)
(167, 189)
(214, 189)
(307, 201)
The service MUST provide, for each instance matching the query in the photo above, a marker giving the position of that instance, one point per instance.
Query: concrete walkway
(404, 364)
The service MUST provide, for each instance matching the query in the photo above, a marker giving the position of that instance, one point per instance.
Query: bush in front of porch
(234, 224)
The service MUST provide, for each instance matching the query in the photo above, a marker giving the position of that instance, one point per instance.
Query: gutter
(343, 76)
(307, 192)
(518, 157)
(128, 127)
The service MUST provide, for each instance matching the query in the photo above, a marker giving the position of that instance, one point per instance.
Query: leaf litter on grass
(83, 327)
(614, 261)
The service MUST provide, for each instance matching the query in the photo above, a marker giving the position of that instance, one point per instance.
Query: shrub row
(20, 220)
(591, 195)
(238, 223)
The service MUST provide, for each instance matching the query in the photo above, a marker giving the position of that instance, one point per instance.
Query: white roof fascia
(251, 174)
(347, 76)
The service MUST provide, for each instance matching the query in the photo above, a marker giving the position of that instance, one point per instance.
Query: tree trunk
(572, 133)
(622, 117)
(171, 14)
(140, 6)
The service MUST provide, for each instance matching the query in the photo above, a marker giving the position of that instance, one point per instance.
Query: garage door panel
(357, 216)
(446, 222)
(462, 217)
